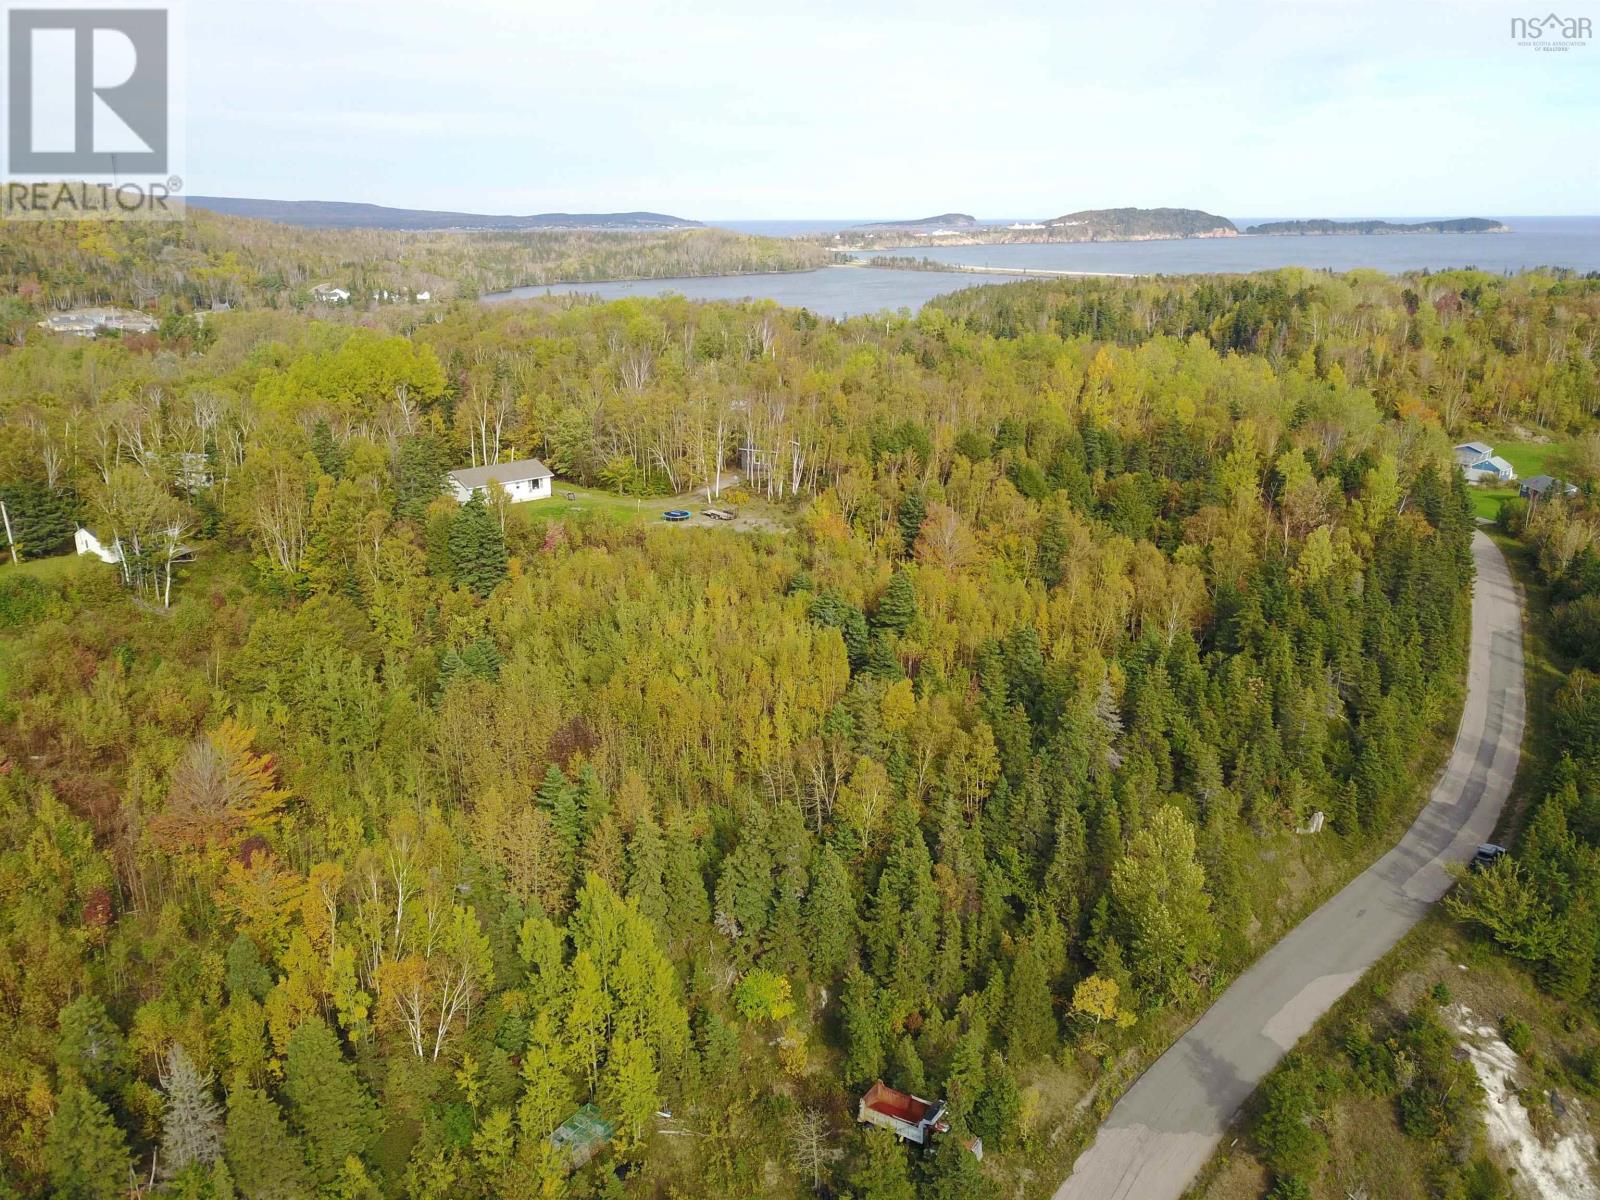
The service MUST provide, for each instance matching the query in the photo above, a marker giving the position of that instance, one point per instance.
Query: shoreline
(506, 293)
(935, 268)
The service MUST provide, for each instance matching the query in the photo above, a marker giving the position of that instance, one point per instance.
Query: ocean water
(1533, 242)
(1572, 242)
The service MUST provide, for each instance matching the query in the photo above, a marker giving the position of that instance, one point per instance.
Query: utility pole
(4, 515)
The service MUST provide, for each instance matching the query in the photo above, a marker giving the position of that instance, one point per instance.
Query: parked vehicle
(721, 514)
(1488, 854)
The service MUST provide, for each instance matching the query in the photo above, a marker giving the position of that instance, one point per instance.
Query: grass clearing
(54, 569)
(1528, 458)
(570, 500)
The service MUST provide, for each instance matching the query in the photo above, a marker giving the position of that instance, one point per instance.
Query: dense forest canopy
(353, 858)
(174, 267)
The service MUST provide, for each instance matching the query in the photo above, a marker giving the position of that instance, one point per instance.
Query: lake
(845, 291)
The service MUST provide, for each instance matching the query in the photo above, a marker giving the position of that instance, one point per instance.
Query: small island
(942, 221)
(1326, 228)
(1086, 225)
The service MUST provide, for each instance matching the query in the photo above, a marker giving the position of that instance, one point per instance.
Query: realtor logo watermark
(1552, 32)
(89, 124)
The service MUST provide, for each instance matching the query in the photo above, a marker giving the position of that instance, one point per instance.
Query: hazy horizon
(1316, 108)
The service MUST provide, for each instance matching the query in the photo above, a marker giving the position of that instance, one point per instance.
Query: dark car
(1488, 854)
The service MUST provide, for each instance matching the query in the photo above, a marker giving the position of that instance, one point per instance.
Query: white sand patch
(1565, 1168)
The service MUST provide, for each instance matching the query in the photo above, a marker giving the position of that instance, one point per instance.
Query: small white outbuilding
(85, 542)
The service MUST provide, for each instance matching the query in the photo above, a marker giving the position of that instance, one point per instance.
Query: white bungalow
(1480, 464)
(524, 479)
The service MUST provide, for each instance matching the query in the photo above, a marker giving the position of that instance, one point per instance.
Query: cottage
(326, 293)
(908, 1117)
(524, 479)
(1542, 487)
(1480, 464)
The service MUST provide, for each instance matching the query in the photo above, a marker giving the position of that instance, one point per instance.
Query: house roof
(506, 472)
(1483, 449)
(1544, 483)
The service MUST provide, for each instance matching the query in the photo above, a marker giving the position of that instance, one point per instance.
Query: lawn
(51, 570)
(753, 514)
(1528, 458)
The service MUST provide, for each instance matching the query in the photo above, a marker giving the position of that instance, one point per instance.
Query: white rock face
(1565, 1168)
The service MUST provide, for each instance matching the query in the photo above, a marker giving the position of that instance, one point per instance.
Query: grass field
(753, 514)
(50, 569)
(1528, 458)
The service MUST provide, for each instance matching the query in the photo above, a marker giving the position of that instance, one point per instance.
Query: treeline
(409, 827)
(1456, 347)
(208, 258)
(1541, 905)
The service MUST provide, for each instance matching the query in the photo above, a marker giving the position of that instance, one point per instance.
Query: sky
(881, 108)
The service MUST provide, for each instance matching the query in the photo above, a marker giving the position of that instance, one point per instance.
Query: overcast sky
(866, 108)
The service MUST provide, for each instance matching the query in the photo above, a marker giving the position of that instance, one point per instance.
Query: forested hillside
(355, 856)
(172, 267)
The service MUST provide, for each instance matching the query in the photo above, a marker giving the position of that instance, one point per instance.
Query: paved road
(1166, 1126)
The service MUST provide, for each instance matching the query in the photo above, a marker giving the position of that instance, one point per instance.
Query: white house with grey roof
(524, 479)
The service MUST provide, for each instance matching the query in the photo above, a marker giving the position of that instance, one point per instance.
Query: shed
(582, 1135)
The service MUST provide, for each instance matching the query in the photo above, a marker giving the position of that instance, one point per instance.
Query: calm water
(844, 291)
(829, 292)
(1533, 242)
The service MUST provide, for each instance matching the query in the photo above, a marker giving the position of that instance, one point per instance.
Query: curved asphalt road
(1166, 1126)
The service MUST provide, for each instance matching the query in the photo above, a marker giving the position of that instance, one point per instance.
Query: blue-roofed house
(1480, 464)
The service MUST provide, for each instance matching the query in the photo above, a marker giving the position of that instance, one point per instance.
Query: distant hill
(942, 221)
(1321, 228)
(1134, 224)
(338, 214)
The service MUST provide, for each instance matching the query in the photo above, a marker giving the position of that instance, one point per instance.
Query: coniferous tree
(647, 862)
(477, 548)
(333, 1112)
(863, 1028)
(881, 1172)
(953, 1173)
(897, 607)
(688, 906)
(267, 1162)
(913, 512)
(419, 475)
(90, 1045)
(85, 1153)
(191, 1118)
(1030, 1023)
(830, 916)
